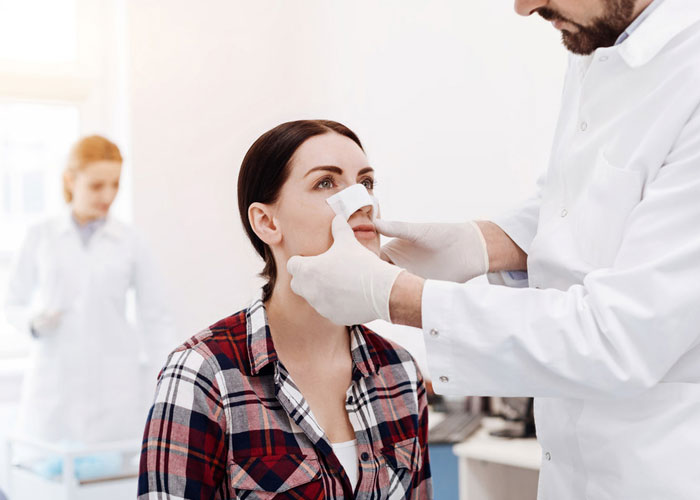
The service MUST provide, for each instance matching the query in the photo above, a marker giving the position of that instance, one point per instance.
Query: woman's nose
(527, 7)
(367, 209)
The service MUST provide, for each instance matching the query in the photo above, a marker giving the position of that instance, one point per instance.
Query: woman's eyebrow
(327, 168)
(337, 170)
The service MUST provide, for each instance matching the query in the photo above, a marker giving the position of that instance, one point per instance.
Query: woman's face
(322, 166)
(94, 188)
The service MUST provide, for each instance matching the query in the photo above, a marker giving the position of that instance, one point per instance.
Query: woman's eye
(368, 183)
(326, 183)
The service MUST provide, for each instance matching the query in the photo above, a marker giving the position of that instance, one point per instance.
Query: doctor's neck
(82, 218)
(295, 324)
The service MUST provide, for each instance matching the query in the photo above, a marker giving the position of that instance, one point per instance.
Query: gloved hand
(441, 251)
(45, 323)
(348, 284)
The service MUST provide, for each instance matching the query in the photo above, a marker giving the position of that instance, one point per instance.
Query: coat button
(584, 126)
(364, 456)
(444, 379)
(548, 456)
(434, 333)
(603, 58)
(564, 212)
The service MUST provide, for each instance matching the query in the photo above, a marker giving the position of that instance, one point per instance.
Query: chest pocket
(404, 456)
(603, 211)
(276, 476)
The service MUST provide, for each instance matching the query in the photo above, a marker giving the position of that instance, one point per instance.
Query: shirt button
(434, 333)
(603, 58)
(564, 212)
(548, 456)
(444, 379)
(584, 126)
(364, 456)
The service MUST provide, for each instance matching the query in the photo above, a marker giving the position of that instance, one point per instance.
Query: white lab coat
(607, 336)
(89, 380)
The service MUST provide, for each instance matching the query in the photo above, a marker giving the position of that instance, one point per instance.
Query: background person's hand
(440, 251)
(45, 323)
(347, 284)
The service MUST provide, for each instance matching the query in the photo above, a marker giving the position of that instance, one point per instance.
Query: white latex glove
(45, 323)
(348, 284)
(439, 251)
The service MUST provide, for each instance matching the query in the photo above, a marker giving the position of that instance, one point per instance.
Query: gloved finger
(395, 229)
(384, 256)
(341, 229)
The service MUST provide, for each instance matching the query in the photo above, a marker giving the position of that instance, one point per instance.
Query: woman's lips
(365, 231)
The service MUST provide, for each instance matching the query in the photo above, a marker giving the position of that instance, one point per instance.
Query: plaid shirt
(229, 422)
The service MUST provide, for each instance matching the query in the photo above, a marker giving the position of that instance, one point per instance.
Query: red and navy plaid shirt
(229, 422)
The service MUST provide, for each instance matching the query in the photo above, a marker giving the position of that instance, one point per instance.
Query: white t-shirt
(347, 455)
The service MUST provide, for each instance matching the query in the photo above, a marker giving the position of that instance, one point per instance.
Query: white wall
(455, 102)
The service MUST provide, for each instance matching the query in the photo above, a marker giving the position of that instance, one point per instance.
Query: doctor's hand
(441, 251)
(348, 284)
(45, 323)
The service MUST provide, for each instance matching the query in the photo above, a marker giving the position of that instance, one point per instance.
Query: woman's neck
(298, 331)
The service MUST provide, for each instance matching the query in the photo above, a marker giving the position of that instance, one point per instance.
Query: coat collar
(261, 350)
(667, 21)
(112, 227)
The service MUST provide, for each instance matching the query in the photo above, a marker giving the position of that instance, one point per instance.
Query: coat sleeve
(153, 311)
(22, 285)
(520, 224)
(626, 328)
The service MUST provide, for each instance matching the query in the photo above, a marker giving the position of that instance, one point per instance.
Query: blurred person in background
(68, 290)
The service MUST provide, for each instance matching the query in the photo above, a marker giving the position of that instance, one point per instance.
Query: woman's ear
(263, 223)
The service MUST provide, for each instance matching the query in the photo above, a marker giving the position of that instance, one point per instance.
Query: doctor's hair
(264, 171)
(88, 150)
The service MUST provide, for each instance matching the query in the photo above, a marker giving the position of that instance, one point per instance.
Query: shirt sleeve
(626, 328)
(422, 480)
(22, 284)
(185, 450)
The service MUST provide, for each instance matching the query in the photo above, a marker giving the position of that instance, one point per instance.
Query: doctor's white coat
(607, 336)
(91, 379)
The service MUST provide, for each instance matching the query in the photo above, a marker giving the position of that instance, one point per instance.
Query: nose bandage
(351, 199)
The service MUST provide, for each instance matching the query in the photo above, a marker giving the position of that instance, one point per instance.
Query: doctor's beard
(602, 32)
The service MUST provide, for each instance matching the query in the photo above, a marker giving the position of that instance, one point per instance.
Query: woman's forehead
(330, 149)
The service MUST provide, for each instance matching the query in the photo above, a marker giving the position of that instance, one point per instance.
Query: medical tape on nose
(351, 199)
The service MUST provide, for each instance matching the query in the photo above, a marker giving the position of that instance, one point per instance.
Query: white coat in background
(607, 336)
(88, 380)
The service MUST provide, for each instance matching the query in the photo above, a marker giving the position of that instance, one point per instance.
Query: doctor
(606, 333)
(68, 289)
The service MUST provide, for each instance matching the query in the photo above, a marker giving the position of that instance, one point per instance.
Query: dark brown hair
(264, 171)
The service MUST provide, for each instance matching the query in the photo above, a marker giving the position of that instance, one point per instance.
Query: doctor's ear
(263, 223)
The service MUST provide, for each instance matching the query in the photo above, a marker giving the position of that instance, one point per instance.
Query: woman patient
(276, 401)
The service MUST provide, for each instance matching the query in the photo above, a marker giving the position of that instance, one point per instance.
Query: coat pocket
(272, 474)
(603, 210)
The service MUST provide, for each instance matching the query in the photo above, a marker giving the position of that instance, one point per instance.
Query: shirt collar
(658, 27)
(261, 350)
(639, 20)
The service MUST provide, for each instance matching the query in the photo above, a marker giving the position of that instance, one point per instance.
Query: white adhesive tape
(351, 199)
